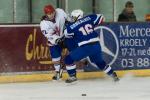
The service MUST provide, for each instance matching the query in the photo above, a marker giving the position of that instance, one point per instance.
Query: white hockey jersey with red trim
(53, 30)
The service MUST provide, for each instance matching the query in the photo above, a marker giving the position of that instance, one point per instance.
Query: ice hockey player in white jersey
(51, 25)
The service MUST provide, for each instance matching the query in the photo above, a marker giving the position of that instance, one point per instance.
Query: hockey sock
(57, 66)
(108, 70)
(71, 69)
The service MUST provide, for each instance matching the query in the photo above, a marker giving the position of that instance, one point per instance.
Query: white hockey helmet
(76, 14)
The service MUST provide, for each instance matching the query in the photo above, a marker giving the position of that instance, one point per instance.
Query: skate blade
(72, 83)
(59, 80)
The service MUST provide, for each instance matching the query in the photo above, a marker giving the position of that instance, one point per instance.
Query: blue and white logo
(109, 44)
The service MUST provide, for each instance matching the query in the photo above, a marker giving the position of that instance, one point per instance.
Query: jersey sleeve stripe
(88, 41)
(97, 19)
(101, 20)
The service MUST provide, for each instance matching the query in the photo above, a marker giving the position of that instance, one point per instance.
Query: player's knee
(68, 60)
(102, 65)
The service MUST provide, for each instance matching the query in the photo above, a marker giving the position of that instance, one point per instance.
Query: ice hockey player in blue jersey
(82, 32)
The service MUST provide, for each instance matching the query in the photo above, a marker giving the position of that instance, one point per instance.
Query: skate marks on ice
(128, 88)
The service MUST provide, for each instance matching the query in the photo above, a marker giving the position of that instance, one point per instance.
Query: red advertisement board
(23, 48)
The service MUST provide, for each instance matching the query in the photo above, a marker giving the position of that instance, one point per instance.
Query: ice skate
(71, 79)
(57, 76)
(115, 77)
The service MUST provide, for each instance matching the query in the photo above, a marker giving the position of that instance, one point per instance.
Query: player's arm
(68, 34)
(67, 16)
(52, 38)
(98, 19)
(50, 34)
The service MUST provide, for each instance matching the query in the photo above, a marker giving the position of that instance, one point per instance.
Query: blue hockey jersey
(82, 31)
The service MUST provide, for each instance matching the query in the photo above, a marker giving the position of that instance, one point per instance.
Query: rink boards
(81, 75)
(24, 54)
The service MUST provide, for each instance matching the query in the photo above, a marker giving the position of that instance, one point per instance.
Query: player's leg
(101, 64)
(74, 56)
(70, 66)
(71, 69)
(71, 45)
(104, 67)
(55, 52)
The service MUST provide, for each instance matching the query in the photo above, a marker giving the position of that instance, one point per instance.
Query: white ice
(129, 88)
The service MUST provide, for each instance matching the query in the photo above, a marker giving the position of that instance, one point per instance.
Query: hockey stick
(52, 63)
(61, 70)
(56, 62)
(62, 65)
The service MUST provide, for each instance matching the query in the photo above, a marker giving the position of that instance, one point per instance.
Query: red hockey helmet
(49, 9)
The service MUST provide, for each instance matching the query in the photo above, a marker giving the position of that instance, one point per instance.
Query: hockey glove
(60, 42)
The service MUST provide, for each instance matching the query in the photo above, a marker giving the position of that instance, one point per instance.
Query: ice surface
(129, 88)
